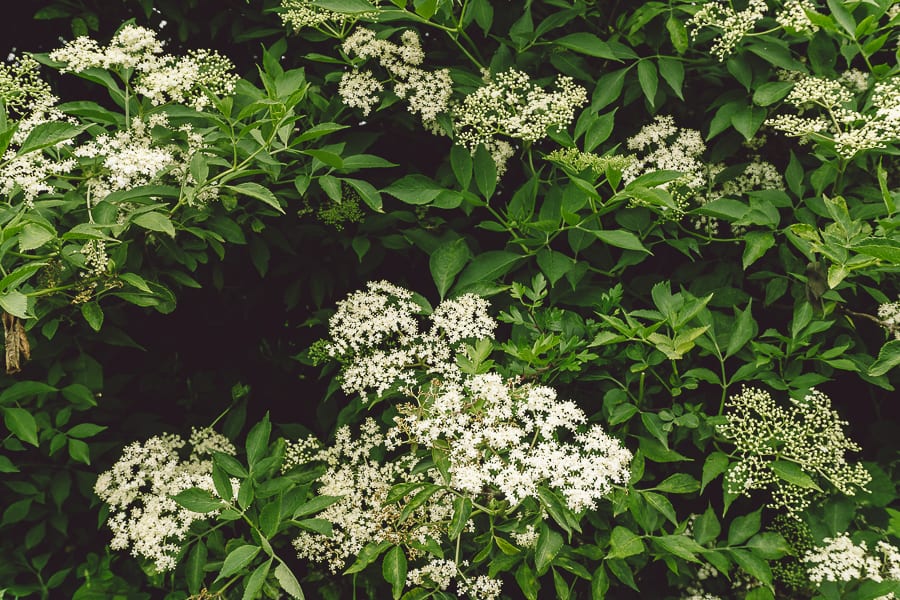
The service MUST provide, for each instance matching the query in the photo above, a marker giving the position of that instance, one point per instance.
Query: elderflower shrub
(840, 560)
(376, 336)
(139, 489)
(511, 105)
(136, 52)
(788, 449)
(852, 117)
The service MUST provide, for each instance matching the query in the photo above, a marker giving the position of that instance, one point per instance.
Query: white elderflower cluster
(362, 482)
(841, 560)
(511, 105)
(661, 145)
(376, 334)
(527, 538)
(507, 437)
(733, 25)
(808, 434)
(793, 16)
(427, 93)
(138, 490)
(838, 121)
(889, 313)
(127, 159)
(159, 77)
(481, 587)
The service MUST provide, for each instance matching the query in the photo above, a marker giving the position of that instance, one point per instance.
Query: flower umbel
(789, 448)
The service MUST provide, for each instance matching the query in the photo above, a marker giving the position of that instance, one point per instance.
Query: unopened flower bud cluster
(138, 487)
(376, 334)
(839, 559)
(837, 119)
(809, 433)
(300, 14)
(733, 24)
(579, 161)
(159, 77)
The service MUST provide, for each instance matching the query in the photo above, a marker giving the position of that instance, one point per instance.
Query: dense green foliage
(700, 212)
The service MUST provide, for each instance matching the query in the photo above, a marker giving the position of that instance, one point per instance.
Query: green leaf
(486, 267)
(49, 134)
(793, 474)
(317, 504)
(85, 430)
(256, 580)
(238, 559)
(888, 358)
(20, 422)
(622, 571)
(344, 7)
(329, 158)
(753, 565)
(528, 583)
(672, 70)
(198, 500)
(756, 244)
(743, 330)
(34, 236)
(771, 92)
(369, 553)
(222, 483)
(769, 545)
(258, 440)
(79, 451)
(461, 163)
(714, 465)
(680, 545)
(743, 528)
(886, 250)
(414, 189)
(7, 466)
(288, 581)
(446, 262)
(624, 543)
(706, 527)
(554, 264)
(319, 130)
(367, 192)
(320, 526)
(194, 567)
(549, 544)
(462, 509)
(842, 16)
(255, 190)
(621, 239)
(587, 43)
(485, 172)
(648, 79)
(679, 483)
(775, 55)
(230, 465)
(15, 303)
(393, 568)
(677, 34)
(662, 505)
(748, 120)
(93, 314)
(155, 221)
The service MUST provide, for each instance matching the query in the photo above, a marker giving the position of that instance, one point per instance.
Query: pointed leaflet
(446, 262)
